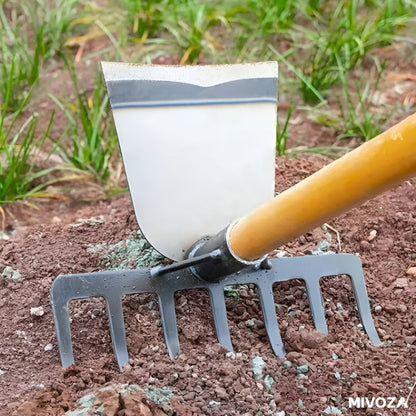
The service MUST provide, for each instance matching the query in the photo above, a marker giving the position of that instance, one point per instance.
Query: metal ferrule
(226, 263)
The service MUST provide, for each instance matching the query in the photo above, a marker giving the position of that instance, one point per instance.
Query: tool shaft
(363, 173)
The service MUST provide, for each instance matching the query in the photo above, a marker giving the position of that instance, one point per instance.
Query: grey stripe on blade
(126, 93)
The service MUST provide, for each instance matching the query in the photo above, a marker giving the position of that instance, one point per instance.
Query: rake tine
(62, 323)
(316, 303)
(363, 305)
(219, 313)
(270, 319)
(168, 318)
(113, 285)
(117, 330)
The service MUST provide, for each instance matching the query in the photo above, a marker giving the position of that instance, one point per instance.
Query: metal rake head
(113, 285)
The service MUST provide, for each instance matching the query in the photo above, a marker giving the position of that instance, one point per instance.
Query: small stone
(303, 389)
(365, 245)
(126, 368)
(251, 323)
(1, 372)
(411, 271)
(287, 364)
(302, 369)
(37, 311)
(257, 366)
(268, 382)
(300, 403)
(11, 274)
(334, 356)
(48, 347)
(390, 307)
(190, 396)
(214, 403)
(377, 308)
(40, 386)
(332, 410)
(159, 395)
(282, 413)
(339, 307)
(323, 246)
(87, 401)
(221, 393)
(410, 340)
(337, 375)
(372, 235)
(401, 283)
(401, 307)
(230, 355)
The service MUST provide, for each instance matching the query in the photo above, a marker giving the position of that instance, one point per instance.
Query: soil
(204, 379)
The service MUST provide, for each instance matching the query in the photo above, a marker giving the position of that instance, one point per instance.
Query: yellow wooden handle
(370, 169)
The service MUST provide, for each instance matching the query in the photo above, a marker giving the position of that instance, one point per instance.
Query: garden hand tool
(237, 254)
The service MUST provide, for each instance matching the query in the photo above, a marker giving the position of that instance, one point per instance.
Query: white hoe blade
(198, 145)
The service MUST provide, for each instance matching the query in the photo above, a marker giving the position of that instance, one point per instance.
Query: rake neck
(226, 262)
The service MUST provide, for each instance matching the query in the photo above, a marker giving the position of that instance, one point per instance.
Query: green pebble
(268, 382)
(302, 369)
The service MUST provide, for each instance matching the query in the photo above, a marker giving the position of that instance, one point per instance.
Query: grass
(92, 133)
(358, 113)
(190, 26)
(352, 29)
(281, 132)
(21, 177)
(19, 62)
(32, 32)
(319, 45)
(144, 18)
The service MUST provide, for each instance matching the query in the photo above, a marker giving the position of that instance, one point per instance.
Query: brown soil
(203, 378)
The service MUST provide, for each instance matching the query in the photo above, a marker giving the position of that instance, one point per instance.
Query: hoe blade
(113, 285)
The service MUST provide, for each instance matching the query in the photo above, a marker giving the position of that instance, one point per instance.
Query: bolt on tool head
(212, 102)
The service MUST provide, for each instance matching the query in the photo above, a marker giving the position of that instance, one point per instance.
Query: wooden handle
(368, 170)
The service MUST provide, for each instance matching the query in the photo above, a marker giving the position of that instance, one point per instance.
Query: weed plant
(145, 18)
(263, 22)
(31, 32)
(358, 114)
(281, 132)
(20, 177)
(89, 127)
(19, 62)
(50, 21)
(190, 28)
(339, 36)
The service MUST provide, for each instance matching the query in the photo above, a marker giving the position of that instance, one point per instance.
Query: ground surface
(203, 379)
